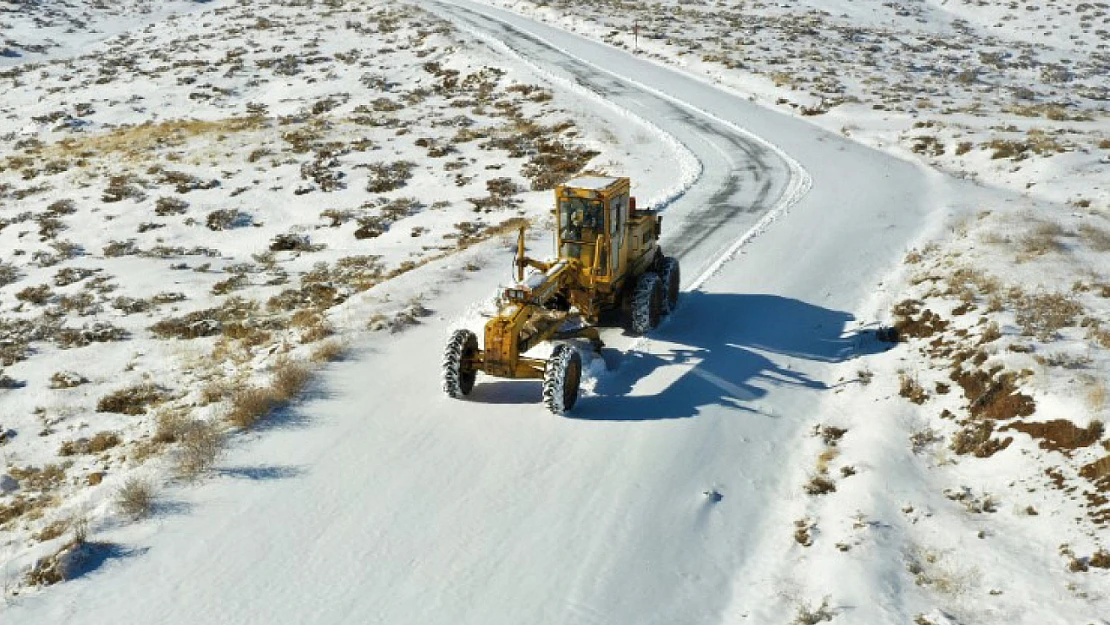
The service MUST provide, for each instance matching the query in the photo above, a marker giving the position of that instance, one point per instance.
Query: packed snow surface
(736, 465)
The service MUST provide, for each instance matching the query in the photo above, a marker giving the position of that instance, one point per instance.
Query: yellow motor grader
(608, 262)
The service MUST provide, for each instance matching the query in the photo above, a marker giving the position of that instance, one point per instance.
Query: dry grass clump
(819, 484)
(1044, 239)
(52, 530)
(1061, 434)
(133, 400)
(993, 394)
(802, 535)
(135, 498)
(386, 177)
(69, 561)
(171, 423)
(249, 405)
(329, 351)
(976, 439)
(9, 274)
(101, 442)
(812, 616)
(200, 445)
(1043, 315)
(37, 479)
(910, 321)
(1097, 238)
(290, 378)
(911, 389)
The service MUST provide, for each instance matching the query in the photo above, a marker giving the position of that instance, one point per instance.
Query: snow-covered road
(382, 501)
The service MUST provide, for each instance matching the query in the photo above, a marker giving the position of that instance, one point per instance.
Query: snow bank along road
(390, 503)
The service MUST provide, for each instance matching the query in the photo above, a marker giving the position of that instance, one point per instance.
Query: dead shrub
(99, 443)
(290, 378)
(911, 389)
(819, 485)
(249, 405)
(135, 499)
(386, 177)
(801, 533)
(166, 206)
(976, 439)
(923, 325)
(200, 445)
(226, 219)
(37, 479)
(133, 400)
(52, 530)
(214, 391)
(1060, 434)
(1043, 315)
(830, 434)
(1044, 239)
(1097, 238)
(8, 274)
(37, 295)
(329, 351)
(68, 562)
(170, 425)
(993, 394)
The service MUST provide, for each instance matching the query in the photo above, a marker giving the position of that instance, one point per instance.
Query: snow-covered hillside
(203, 210)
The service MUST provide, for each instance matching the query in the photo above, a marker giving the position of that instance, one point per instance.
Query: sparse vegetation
(133, 400)
(135, 499)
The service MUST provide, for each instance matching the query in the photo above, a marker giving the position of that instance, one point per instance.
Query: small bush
(1043, 315)
(1097, 238)
(386, 177)
(171, 424)
(249, 405)
(201, 443)
(820, 485)
(135, 498)
(290, 378)
(8, 274)
(166, 206)
(911, 389)
(101, 442)
(133, 400)
(329, 351)
(226, 219)
(37, 295)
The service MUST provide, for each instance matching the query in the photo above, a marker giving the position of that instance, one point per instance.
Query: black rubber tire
(671, 277)
(458, 380)
(561, 377)
(647, 302)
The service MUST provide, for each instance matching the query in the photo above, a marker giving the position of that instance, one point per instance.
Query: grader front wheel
(561, 377)
(458, 371)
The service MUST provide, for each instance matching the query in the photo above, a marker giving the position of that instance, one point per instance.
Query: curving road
(660, 501)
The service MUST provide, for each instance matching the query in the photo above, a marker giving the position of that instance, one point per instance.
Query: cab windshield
(580, 221)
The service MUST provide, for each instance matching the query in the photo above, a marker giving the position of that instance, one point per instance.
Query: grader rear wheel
(671, 278)
(647, 302)
(458, 374)
(561, 378)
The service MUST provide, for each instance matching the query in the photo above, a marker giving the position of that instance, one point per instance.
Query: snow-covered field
(207, 204)
(201, 210)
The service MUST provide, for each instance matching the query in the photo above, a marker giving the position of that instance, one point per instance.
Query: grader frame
(608, 259)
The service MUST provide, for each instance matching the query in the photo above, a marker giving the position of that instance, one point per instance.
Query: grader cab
(608, 261)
